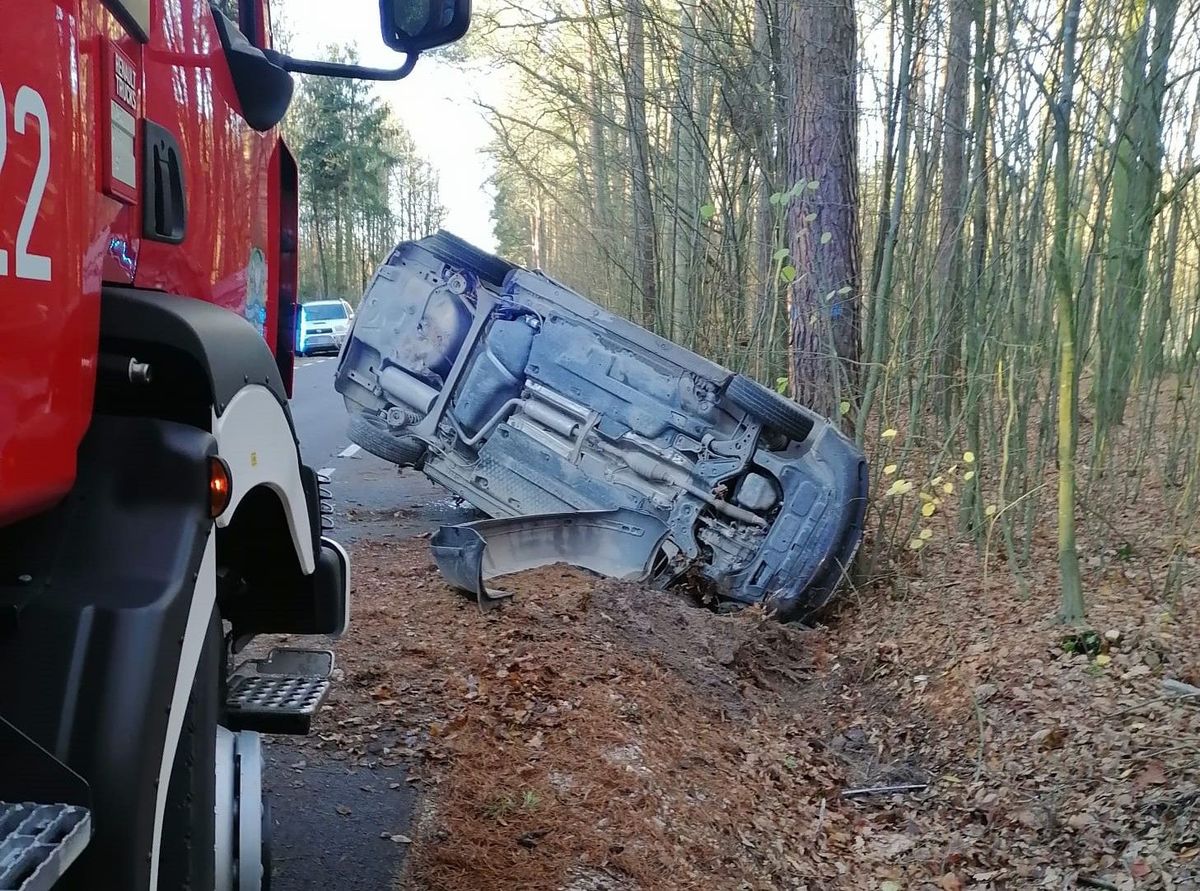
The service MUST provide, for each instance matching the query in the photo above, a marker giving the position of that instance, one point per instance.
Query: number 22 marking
(28, 104)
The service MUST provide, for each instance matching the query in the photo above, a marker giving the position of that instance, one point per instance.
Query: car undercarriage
(528, 400)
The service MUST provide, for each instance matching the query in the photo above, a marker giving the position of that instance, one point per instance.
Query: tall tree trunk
(598, 142)
(881, 300)
(765, 229)
(820, 46)
(645, 238)
(947, 278)
(1072, 607)
(688, 173)
(1136, 180)
(322, 254)
(889, 153)
(975, 294)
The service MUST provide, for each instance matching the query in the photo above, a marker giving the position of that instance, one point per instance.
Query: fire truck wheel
(186, 861)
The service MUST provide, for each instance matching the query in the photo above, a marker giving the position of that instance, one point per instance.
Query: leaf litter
(593, 734)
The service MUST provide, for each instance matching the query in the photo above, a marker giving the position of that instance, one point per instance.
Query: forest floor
(591, 734)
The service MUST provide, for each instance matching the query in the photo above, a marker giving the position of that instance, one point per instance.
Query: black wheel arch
(208, 352)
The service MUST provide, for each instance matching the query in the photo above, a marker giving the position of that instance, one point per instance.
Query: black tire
(406, 451)
(776, 413)
(186, 857)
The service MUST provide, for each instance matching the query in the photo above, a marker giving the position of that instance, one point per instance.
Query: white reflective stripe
(248, 746)
(204, 599)
(224, 809)
(256, 441)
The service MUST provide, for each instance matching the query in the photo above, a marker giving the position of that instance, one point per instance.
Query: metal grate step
(38, 842)
(274, 703)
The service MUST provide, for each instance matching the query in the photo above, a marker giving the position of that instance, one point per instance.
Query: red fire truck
(154, 511)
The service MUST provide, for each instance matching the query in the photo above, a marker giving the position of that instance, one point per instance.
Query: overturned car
(627, 453)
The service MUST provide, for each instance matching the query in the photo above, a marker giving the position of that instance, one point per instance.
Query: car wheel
(776, 413)
(407, 451)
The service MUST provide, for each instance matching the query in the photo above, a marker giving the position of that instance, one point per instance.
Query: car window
(324, 312)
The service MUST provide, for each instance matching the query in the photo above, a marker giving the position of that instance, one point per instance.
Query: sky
(436, 103)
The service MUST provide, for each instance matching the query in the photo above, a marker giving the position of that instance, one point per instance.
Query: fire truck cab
(155, 514)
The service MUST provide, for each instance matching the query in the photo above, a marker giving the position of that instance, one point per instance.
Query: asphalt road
(328, 815)
(372, 499)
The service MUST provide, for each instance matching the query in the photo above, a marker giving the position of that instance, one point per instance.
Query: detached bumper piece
(38, 842)
(282, 695)
(621, 544)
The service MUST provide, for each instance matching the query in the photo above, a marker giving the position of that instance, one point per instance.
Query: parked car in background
(323, 326)
(530, 401)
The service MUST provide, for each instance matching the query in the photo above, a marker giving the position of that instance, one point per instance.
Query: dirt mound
(596, 734)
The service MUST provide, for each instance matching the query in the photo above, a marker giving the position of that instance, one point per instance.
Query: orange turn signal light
(220, 486)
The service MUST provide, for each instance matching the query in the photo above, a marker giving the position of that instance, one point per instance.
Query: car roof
(322, 302)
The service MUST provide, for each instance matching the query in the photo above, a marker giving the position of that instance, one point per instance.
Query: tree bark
(820, 45)
(947, 278)
(1136, 180)
(645, 252)
(1071, 608)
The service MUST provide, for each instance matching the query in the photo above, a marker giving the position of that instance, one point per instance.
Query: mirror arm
(338, 69)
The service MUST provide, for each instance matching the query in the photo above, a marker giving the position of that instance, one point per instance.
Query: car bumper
(815, 537)
(322, 342)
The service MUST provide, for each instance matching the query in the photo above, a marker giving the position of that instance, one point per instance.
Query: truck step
(282, 694)
(38, 842)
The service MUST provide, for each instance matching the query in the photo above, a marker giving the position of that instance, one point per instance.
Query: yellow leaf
(916, 544)
(926, 534)
(937, 501)
(906, 487)
(969, 457)
(1103, 659)
(936, 481)
(948, 488)
(990, 509)
(889, 470)
(926, 497)
(968, 476)
(889, 433)
(928, 508)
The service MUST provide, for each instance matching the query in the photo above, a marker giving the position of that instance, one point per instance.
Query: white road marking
(349, 451)
(326, 471)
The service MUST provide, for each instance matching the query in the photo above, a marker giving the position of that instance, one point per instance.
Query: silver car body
(525, 398)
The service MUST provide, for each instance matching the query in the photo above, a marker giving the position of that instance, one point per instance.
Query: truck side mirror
(263, 88)
(409, 26)
(413, 26)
